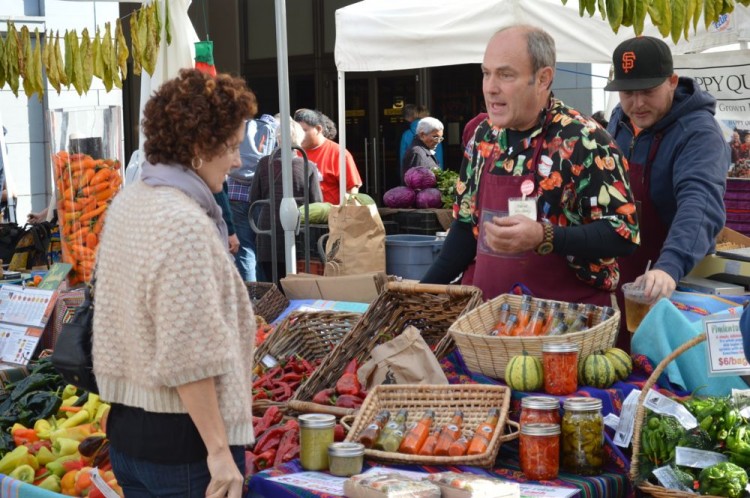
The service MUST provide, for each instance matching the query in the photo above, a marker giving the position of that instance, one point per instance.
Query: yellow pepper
(51, 483)
(64, 446)
(44, 456)
(13, 459)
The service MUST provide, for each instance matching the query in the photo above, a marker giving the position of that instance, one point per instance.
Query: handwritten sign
(726, 356)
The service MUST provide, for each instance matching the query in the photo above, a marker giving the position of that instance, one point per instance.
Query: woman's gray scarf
(186, 180)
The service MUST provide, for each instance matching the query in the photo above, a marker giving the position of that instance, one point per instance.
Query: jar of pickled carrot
(540, 451)
(539, 410)
(560, 362)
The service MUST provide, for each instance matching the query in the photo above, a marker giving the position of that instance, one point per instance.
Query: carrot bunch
(86, 187)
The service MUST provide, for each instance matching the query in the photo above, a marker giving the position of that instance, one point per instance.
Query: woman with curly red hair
(174, 330)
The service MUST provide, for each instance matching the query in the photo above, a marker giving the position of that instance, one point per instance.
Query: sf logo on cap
(628, 61)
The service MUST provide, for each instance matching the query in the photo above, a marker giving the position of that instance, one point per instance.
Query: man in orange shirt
(325, 154)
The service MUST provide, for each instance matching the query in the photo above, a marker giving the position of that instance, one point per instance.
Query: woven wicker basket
(268, 301)
(640, 415)
(475, 400)
(310, 335)
(430, 308)
(489, 355)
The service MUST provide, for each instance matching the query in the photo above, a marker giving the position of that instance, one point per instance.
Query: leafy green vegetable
(446, 183)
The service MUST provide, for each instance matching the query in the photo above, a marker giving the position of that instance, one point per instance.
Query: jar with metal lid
(560, 362)
(539, 450)
(583, 436)
(315, 435)
(345, 459)
(539, 409)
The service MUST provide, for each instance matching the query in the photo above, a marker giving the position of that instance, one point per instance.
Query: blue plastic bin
(410, 256)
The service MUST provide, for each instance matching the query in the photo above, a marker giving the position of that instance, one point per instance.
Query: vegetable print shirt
(582, 177)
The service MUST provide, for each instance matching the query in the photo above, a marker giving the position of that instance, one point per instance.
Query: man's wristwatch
(545, 247)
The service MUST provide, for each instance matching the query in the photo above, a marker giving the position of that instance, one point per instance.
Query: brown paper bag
(356, 240)
(406, 359)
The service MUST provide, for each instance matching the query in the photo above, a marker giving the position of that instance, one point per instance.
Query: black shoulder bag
(71, 355)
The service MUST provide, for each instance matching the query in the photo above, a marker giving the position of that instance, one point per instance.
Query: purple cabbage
(429, 198)
(420, 178)
(399, 197)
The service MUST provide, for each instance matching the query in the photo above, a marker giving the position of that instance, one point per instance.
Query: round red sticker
(527, 187)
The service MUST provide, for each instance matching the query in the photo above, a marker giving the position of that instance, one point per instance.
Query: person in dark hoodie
(678, 162)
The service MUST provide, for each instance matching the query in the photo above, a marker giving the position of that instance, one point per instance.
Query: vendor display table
(607, 485)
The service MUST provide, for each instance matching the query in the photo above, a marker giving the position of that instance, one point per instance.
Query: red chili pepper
(284, 446)
(282, 393)
(351, 367)
(348, 401)
(267, 420)
(325, 397)
(261, 394)
(338, 433)
(265, 459)
(291, 377)
(250, 458)
(306, 364)
(269, 439)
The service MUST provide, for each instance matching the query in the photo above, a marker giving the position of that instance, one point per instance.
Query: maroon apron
(653, 232)
(547, 277)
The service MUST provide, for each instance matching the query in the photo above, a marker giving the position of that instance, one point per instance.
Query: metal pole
(288, 213)
(342, 138)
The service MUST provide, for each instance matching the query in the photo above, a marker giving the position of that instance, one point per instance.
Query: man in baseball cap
(678, 162)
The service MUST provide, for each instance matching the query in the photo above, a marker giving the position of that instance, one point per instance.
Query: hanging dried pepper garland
(105, 57)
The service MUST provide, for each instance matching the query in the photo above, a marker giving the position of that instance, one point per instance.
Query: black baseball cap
(640, 63)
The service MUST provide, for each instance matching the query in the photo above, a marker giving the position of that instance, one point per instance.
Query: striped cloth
(10, 488)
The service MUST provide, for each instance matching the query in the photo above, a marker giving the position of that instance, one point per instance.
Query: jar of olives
(582, 438)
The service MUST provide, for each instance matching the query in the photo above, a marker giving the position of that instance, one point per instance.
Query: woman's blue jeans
(144, 479)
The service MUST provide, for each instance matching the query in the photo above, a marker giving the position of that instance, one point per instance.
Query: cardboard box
(362, 288)
(713, 264)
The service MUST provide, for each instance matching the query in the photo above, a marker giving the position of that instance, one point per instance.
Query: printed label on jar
(391, 425)
(487, 429)
(398, 433)
(372, 426)
(452, 427)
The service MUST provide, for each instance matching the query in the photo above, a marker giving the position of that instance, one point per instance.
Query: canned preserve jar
(345, 459)
(583, 436)
(560, 362)
(539, 409)
(315, 435)
(540, 451)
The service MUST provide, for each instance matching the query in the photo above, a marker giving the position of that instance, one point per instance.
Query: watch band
(545, 247)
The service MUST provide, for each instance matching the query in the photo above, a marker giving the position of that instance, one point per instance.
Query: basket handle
(347, 421)
(309, 407)
(640, 410)
(514, 431)
(415, 288)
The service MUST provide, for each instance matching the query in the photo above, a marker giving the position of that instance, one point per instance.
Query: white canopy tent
(387, 35)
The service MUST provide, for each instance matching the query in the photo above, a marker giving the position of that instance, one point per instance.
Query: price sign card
(726, 356)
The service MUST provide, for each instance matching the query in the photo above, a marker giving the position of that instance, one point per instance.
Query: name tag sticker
(526, 207)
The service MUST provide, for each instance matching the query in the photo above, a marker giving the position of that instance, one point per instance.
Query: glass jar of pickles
(560, 362)
(345, 459)
(582, 436)
(315, 435)
(539, 409)
(539, 450)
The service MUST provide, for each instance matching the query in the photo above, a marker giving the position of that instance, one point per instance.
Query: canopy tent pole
(288, 212)
(342, 138)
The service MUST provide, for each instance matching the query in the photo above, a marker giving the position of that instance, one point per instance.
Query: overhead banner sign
(726, 76)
